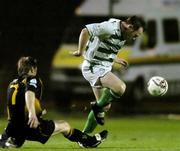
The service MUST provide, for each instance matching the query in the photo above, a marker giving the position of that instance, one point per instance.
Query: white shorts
(92, 72)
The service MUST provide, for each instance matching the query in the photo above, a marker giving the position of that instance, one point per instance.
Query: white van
(158, 51)
(155, 53)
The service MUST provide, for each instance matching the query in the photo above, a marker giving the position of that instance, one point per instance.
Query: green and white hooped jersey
(104, 43)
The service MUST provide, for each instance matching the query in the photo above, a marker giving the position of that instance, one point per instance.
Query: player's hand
(33, 121)
(76, 53)
(122, 62)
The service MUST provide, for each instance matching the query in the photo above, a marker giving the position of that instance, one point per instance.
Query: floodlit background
(49, 30)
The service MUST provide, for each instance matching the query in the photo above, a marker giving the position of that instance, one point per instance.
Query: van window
(149, 39)
(171, 30)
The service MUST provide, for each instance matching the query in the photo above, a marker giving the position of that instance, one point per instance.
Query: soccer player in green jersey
(99, 43)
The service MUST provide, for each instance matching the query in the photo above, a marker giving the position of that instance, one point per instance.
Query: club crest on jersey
(33, 82)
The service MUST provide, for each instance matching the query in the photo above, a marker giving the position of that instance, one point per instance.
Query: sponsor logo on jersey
(33, 82)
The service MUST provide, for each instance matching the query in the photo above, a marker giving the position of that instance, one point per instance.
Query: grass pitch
(142, 133)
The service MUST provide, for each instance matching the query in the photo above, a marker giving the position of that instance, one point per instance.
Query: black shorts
(21, 133)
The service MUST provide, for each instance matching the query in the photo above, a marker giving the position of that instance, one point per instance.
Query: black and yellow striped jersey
(16, 105)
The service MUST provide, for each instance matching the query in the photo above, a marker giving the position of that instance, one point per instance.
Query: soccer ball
(157, 86)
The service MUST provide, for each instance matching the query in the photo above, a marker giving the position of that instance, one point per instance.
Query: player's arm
(83, 39)
(30, 104)
(90, 31)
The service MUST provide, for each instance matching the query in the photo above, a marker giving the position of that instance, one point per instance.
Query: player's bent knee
(121, 89)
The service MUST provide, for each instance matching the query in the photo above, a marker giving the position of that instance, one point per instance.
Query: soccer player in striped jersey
(99, 43)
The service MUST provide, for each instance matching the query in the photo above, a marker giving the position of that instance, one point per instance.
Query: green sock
(90, 123)
(106, 97)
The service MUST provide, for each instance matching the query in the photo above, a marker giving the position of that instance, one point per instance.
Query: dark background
(32, 28)
(38, 28)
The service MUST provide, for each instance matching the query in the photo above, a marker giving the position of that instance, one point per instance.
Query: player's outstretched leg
(95, 140)
(76, 135)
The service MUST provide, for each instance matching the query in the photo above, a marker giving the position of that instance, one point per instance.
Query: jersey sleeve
(32, 84)
(100, 29)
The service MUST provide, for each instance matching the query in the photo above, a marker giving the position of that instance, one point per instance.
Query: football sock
(107, 97)
(90, 123)
(77, 136)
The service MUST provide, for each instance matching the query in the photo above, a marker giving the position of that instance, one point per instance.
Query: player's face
(136, 33)
(132, 34)
(33, 71)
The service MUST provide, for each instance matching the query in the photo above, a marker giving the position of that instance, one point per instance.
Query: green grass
(147, 133)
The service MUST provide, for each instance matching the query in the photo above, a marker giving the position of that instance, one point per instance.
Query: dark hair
(25, 64)
(137, 22)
